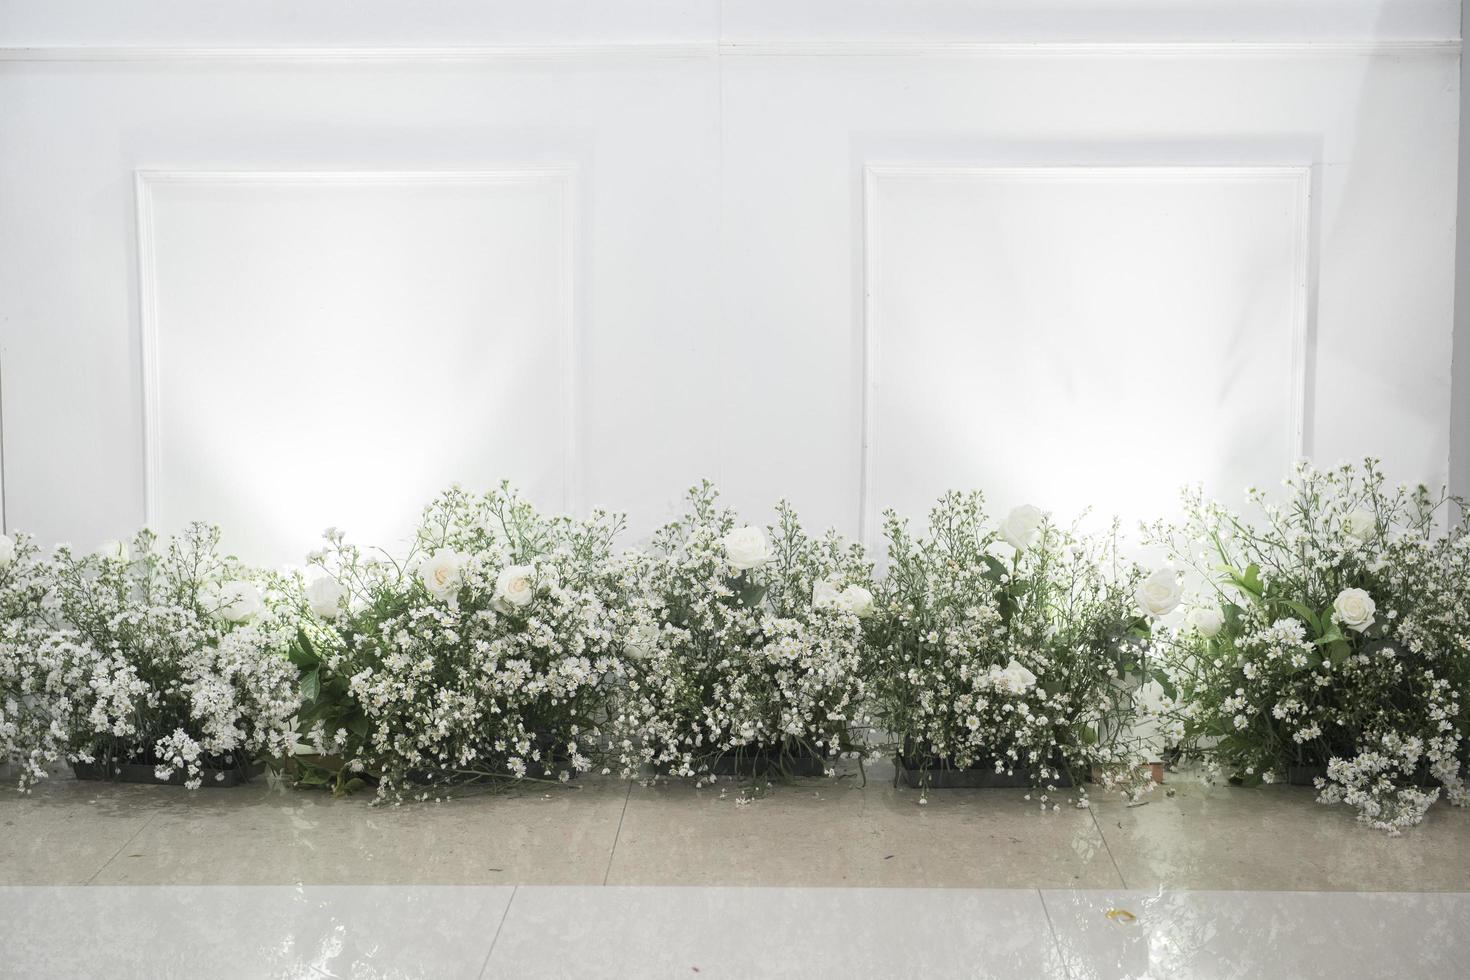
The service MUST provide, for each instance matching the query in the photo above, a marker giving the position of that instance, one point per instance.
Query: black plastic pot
(553, 754)
(1307, 776)
(768, 763)
(1304, 775)
(940, 776)
(914, 769)
(137, 772)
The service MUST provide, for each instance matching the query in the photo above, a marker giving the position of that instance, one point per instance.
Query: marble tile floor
(823, 878)
(162, 932)
(813, 833)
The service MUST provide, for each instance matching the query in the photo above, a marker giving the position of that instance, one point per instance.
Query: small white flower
(440, 572)
(324, 596)
(516, 585)
(241, 600)
(1160, 593)
(1022, 526)
(1354, 609)
(825, 592)
(1205, 620)
(746, 547)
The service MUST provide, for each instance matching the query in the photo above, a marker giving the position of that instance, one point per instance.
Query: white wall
(1253, 254)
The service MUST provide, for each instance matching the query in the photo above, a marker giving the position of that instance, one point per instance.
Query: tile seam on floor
(1102, 835)
(612, 852)
(498, 926)
(122, 847)
(1056, 942)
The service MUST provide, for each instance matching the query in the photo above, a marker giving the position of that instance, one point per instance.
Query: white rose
(7, 550)
(324, 596)
(1205, 620)
(1159, 594)
(1354, 609)
(1360, 525)
(642, 640)
(241, 601)
(746, 547)
(440, 572)
(1014, 679)
(516, 585)
(113, 551)
(856, 600)
(1022, 527)
(825, 593)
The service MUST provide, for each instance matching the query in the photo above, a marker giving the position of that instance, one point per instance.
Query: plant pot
(765, 762)
(936, 773)
(137, 772)
(552, 749)
(1307, 776)
(1304, 775)
(1155, 773)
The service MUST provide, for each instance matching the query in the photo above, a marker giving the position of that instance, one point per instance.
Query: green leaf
(311, 685)
(1251, 580)
(1339, 652)
(751, 595)
(312, 714)
(302, 653)
(1305, 614)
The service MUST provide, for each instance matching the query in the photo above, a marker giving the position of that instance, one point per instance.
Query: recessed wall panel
(1072, 337)
(333, 349)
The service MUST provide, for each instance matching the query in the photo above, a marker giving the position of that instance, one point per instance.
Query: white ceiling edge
(511, 24)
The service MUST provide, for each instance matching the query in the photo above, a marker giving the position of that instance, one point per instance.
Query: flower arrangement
(1327, 640)
(742, 647)
(148, 654)
(1008, 651)
(33, 664)
(1331, 641)
(485, 654)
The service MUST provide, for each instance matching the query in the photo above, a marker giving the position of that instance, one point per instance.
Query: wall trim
(1299, 333)
(695, 49)
(1089, 48)
(568, 336)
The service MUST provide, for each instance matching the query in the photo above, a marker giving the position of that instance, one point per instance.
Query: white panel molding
(1298, 333)
(1087, 49)
(291, 55)
(696, 50)
(567, 340)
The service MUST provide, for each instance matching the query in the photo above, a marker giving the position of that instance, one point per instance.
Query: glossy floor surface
(452, 931)
(608, 879)
(814, 833)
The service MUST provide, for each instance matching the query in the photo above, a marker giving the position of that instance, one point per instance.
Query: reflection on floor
(1203, 882)
(590, 931)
